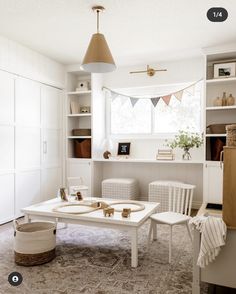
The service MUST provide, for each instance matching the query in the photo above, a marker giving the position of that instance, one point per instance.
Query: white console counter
(148, 170)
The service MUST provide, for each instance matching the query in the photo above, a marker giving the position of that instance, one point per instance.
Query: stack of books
(165, 154)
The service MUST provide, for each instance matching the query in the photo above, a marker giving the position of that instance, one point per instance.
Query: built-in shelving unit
(218, 114)
(76, 119)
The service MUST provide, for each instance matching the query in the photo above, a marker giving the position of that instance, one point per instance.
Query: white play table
(44, 211)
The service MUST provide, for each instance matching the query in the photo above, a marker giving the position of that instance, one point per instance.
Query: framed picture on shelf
(123, 149)
(224, 70)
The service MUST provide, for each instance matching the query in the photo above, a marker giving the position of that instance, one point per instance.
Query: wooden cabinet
(213, 182)
(229, 191)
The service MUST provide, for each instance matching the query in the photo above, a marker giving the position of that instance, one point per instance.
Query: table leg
(134, 247)
(196, 269)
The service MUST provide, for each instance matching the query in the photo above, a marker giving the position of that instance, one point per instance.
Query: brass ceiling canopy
(98, 58)
(149, 71)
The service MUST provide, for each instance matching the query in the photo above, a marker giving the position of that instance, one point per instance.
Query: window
(144, 119)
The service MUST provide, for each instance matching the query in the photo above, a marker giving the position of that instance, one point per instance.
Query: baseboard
(196, 204)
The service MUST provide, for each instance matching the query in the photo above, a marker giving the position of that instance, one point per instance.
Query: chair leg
(170, 245)
(150, 233)
(154, 229)
(189, 232)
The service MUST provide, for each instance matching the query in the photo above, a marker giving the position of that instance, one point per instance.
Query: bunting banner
(179, 95)
(133, 101)
(166, 99)
(154, 100)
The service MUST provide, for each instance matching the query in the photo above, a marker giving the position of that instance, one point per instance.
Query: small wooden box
(81, 132)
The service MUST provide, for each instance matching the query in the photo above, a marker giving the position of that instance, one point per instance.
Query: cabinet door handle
(221, 159)
(45, 147)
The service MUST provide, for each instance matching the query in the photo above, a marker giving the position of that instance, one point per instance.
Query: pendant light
(98, 58)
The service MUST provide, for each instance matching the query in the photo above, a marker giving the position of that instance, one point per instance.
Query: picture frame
(224, 70)
(123, 149)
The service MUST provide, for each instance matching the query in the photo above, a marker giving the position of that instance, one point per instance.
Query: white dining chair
(179, 210)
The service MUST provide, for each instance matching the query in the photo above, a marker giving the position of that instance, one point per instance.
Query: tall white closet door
(27, 190)
(51, 177)
(7, 198)
(27, 145)
(6, 146)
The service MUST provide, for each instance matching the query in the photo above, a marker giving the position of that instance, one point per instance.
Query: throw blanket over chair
(180, 204)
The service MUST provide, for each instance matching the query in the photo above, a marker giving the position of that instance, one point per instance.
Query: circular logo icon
(15, 279)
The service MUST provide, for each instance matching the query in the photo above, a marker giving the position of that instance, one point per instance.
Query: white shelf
(79, 92)
(79, 137)
(215, 135)
(136, 160)
(76, 159)
(223, 80)
(221, 107)
(79, 115)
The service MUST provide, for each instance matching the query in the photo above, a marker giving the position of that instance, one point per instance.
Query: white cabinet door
(76, 168)
(6, 148)
(27, 108)
(51, 108)
(213, 183)
(27, 148)
(7, 198)
(27, 102)
(51, 118)
(27, 190)
(51, 148)
(51, 181)
(6, 98)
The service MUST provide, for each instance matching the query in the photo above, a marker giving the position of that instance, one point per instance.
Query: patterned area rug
(92, 260)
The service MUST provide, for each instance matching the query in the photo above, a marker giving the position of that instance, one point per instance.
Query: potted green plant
(186, 141)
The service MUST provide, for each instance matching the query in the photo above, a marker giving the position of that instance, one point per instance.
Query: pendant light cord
(98, 21)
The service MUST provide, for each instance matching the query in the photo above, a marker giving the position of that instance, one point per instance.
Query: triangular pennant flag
(123, 99)
(179, 95)
(114, 96)
(166, 99)
(190, 90)
(155, 101)
(133, 101)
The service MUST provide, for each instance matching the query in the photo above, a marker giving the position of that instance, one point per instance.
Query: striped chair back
(181, 198)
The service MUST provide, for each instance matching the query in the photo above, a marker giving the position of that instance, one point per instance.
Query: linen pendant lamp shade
(98, 58)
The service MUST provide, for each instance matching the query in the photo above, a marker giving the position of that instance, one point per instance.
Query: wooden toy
(108, 211)
(126, 212)
(99, 204)
(79, 196)
(63, 194)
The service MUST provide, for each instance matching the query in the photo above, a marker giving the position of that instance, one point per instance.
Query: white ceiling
(137, 31)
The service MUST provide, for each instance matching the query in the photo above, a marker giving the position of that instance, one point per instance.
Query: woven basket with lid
(231, 135)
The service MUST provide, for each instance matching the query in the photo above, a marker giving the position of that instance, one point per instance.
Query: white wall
(178, 72)
(23, 61)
